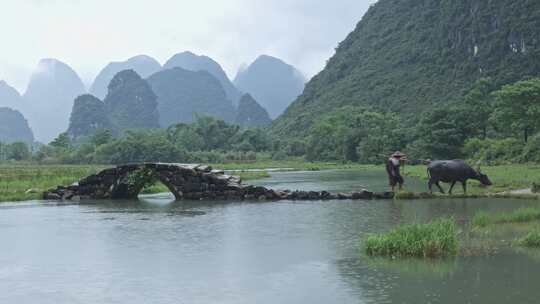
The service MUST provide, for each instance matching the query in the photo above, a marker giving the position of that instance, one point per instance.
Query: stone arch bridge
(186, 182)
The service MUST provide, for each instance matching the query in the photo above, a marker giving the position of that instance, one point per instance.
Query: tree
(256, 140)
(185, 136)
(101, 137)
(442, 132)
(61, 142)
(140, 146)
(354, 134)
(518, 107)
(216, 134)
(18, 151)
(479, 104)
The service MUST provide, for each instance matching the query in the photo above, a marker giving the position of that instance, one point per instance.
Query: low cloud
(87, 34)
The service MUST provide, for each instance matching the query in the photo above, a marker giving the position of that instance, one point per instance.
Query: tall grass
(531, 239)
(521, 215)
(435, 239)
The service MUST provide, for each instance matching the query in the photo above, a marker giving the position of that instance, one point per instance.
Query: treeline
(493, 125)
(206, 140)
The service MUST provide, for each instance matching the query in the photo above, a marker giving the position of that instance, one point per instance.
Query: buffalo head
(484, 179)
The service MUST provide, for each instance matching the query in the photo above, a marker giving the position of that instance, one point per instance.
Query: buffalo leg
(430, 185)
(464, 187)
(440, 188)
(451, 187)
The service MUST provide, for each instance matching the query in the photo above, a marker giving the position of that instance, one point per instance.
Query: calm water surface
(158, 251)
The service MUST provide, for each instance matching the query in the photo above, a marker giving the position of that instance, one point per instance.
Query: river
(158, 251)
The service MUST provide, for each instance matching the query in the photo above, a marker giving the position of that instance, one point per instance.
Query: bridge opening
(143, 181)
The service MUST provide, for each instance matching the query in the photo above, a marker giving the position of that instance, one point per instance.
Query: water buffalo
(453, 171)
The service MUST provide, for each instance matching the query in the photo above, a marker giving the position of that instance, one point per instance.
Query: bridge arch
(184, 181)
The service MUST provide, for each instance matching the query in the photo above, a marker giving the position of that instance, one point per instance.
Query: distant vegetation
(206, 140)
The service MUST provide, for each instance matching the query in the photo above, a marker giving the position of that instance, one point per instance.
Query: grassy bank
(28, 182)
(435, 239)
(294, 164)
(504, 178)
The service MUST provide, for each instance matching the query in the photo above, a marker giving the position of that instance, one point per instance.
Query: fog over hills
(14, 127)
(251, 114)
(142, 64)
(193, 62)
(10, 97)
(183, 93)
(49, 98)
(272, 82)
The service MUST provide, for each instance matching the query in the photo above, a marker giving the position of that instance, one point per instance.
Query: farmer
(392, 168)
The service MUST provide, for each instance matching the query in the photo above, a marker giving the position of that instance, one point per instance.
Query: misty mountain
(182, 94)
(131, 103)
(49, 98)
(272, 82)
(193, 62)
(14, 127)
(251, 114)
(142, 64)
(89, 114)
(10, 97)
(408, 56)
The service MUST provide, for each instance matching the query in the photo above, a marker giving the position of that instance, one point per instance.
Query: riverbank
(20, 182)
(505, 178)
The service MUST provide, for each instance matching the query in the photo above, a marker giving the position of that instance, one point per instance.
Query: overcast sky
(87, 34)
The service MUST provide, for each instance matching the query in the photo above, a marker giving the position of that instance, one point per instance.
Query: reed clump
(434, 239)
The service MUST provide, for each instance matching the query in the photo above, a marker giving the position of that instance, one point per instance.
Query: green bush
(435, 239)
